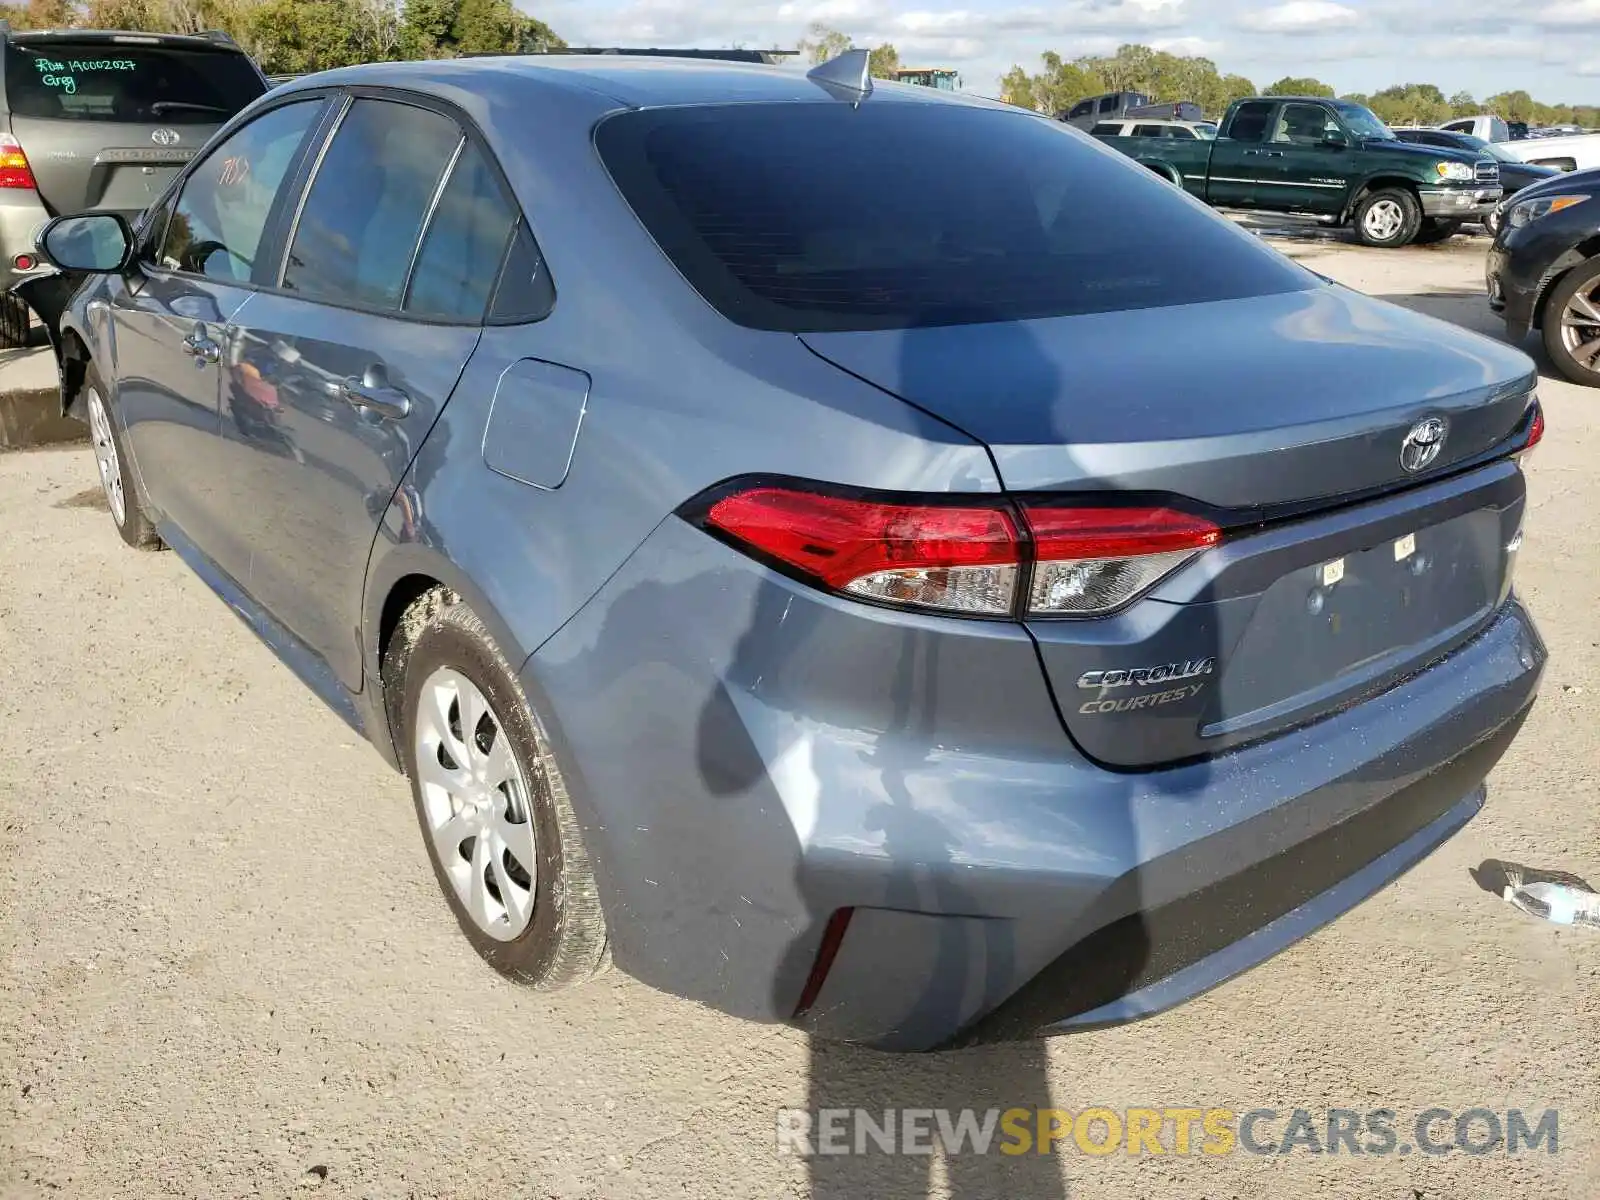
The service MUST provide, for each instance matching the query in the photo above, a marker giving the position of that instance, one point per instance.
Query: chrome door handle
(1272, 153)
(199, 346)
(376, 397)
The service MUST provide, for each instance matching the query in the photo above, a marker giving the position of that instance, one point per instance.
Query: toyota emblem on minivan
(165, 137)
(1423, 443)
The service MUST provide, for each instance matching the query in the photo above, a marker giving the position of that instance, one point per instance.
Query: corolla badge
(1423, 443)
(165, 137)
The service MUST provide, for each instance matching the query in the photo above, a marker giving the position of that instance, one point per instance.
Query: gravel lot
(225, 970)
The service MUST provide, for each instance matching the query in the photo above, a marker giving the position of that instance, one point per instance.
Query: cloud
(1189, 46)
(1305, 16)
(1569, 14)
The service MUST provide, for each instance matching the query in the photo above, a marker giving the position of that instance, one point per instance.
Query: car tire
(16, 322)
(1388, 218)
(508, 852)
(116, 475)
(1571, 336)
(1436, 229)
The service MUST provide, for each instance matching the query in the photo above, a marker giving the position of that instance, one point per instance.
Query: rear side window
(1109, 104)
(1499, 131)
(465, 243)
(109, 81)
(362, 219)
(778, 215)
(1113, 128)
(1250, 122)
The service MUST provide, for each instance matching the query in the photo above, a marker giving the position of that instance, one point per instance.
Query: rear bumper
(749, 757)
(1463, 204)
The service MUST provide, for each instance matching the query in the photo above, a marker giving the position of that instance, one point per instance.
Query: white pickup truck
(1578, 152)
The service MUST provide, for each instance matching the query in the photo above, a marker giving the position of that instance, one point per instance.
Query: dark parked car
(1544, 271)
(1514, 173)
(818, 598)
(1120, 106)
(95, 119)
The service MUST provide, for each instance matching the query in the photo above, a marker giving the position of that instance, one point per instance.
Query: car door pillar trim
(305, 192)
(427, 220)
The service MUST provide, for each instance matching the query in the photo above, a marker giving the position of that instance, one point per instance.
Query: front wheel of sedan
(116, 477)
(1571, 326)
(492, 802)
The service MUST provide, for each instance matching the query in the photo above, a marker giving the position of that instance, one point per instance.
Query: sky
(1545, 47)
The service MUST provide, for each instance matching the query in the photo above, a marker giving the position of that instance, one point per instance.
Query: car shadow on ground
(1467, 308)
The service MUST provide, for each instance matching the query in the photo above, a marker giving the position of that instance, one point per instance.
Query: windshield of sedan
(1363, 122)
(827, 216)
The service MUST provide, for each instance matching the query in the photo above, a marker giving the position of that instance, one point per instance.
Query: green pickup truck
(1327, 158)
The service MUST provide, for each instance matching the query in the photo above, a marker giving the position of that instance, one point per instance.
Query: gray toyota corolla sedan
(866, 558)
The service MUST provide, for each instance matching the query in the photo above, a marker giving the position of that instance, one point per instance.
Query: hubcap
(1580, 326)
(476, 803)
(1384, 220)
(105, 456)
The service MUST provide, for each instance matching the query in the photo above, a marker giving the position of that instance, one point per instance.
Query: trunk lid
(1284, 417)
(107, 121)
(1296, 399)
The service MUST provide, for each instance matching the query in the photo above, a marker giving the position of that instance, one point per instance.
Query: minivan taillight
(14, 169)
(969, 556)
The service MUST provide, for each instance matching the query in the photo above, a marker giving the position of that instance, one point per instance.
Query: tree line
(1165, 76)
(291, 37)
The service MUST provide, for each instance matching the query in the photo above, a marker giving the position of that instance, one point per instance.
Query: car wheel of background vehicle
(1571, 326)
(1435, 229)
(16, 322)
(496, 818)
(1388, 217)
(116, 479)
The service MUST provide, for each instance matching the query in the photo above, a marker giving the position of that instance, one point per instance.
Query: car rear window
(827, 216)
(113, 81)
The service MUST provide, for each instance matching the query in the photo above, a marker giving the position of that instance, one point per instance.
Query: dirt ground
(225, 970)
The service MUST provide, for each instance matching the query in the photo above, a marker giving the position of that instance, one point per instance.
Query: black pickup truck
(1331, 159)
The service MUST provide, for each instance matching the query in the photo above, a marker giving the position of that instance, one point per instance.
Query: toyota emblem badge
(165, 137)
(1423, 444)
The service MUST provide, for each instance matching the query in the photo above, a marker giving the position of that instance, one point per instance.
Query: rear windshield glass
(107, 81)
(814, 217)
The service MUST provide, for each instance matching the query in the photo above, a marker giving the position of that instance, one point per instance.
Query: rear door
(1238, 156)
(379, 304)
(107, 122)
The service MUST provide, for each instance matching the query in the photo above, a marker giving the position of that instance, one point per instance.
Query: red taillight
(1536, 430)
(965, 558)
(14, 169)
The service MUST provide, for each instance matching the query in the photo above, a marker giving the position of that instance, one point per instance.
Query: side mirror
(1335, 139)
(97, 242)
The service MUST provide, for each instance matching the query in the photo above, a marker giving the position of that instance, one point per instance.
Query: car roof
(126, 37)
(631, 81)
